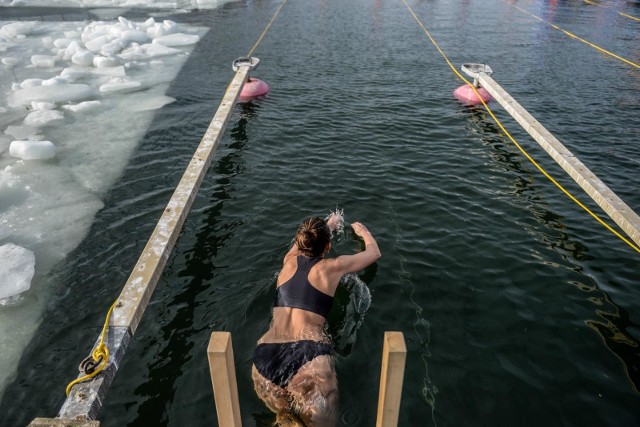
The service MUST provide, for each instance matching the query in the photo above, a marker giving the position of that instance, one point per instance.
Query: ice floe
(32, 150)
(17, 266)
(75, 100)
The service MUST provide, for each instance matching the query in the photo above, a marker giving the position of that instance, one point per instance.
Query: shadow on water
(524, 179)
(178, 333)
(611, 321)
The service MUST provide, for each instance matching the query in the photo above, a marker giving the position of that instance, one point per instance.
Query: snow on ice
(75, 100)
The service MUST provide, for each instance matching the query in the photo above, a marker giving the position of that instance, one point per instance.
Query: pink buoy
(466, 95)
(252, 89)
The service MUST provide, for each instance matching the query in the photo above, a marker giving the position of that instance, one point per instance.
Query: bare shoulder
(292, 254)
(336, 266)
(331, 264)
(289, 265)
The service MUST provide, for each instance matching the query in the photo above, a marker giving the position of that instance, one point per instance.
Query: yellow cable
(618, 12)
(101, 350)
(626, 61)
(266, 29)
(544, 172)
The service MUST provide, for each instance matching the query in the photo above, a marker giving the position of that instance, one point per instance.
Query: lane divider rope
(522, 150)
(598, 48)
(610, 8)
(275, 15)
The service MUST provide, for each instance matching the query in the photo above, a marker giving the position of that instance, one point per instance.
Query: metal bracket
(251, 62)
(474, 70)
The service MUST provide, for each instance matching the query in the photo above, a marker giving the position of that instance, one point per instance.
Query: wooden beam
(223, 378)
(85, 399)
(394, 355)
(144, 277)
(619, 212)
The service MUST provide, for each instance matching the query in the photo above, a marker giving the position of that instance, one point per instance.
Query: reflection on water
(421, 326)
(211, 234)
(611, 322)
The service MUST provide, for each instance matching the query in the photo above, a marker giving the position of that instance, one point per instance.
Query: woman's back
(301, 304)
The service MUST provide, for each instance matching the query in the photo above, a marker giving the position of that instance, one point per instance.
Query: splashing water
(352, 299)
(335, 220)
(353, 311)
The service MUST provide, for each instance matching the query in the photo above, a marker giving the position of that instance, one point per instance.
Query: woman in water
(293, 369)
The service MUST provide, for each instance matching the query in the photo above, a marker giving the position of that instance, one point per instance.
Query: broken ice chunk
(83, 106)
(82, 57)
(32, 150)
(10, 61)
(177, 39)
(154, 103)
(17, 267)
(43, 60)
(43, 117)
(56, 93)
(15, 29)
(118, 84)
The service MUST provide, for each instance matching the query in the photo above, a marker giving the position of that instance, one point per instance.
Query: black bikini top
(297, 292)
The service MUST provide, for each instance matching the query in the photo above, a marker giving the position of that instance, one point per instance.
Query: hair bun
(313, 236)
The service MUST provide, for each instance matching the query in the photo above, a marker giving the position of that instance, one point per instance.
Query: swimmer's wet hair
(313, 236)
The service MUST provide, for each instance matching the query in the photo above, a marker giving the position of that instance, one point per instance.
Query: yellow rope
(626, 61)
(266, 29)
(101, 351)
(544, 172)
(618, 12)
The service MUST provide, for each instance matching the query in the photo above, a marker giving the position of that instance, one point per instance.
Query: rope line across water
(275, 15)
(99, 357)
(618, 12)
(522, 150)
(605, 51)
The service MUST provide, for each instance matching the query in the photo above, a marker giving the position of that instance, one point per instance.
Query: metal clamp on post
(251, 62)
(474, 70)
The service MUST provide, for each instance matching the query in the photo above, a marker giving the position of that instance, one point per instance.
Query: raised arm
(353, 263)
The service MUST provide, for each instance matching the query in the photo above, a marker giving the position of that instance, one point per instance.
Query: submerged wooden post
(223, 378)
(617, 210)
(85, 399)
(394, 355)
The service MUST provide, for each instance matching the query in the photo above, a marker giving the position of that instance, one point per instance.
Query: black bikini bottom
(279, 362)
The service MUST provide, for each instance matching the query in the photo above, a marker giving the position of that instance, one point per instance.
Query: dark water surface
(517, 307)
